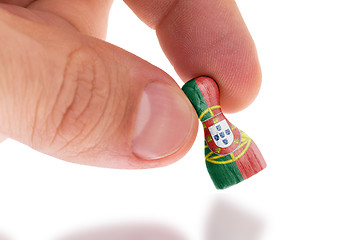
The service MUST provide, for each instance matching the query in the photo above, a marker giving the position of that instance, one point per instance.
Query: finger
(87, 16)
(206, 38)
(22, 3)
(2, 138)
(80, 99)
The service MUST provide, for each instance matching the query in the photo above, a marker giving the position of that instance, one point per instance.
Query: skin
(53, 53)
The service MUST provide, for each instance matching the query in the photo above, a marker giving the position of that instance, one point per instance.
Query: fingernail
(164, 122)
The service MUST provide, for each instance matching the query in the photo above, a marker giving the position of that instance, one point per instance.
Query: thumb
(2, 138)
(80, 99)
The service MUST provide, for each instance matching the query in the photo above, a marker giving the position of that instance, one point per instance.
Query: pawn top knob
(203, 92)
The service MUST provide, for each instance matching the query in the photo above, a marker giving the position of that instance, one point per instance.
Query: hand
(66, 93)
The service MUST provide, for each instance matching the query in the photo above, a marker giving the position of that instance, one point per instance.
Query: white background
(295, 121)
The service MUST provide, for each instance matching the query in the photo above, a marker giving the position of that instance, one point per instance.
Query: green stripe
(223, 175)
(194, 94)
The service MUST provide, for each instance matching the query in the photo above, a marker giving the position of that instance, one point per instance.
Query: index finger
(206, 38)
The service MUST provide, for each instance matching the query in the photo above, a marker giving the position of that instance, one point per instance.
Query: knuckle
(81, 101)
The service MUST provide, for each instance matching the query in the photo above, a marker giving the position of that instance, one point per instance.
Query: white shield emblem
(221, 134)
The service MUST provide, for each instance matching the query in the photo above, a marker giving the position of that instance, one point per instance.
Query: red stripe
(209, 89)
(251, 162)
